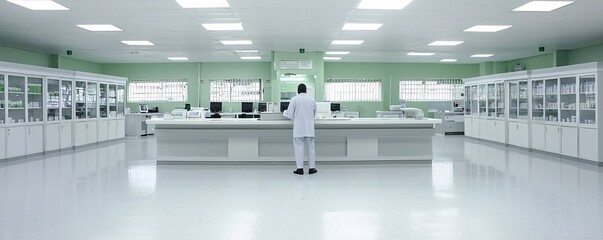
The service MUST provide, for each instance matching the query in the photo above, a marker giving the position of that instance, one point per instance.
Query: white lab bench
(136, 125)
(248, 140)
(452, 123)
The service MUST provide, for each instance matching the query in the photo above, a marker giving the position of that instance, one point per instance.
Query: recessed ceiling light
(236, 42)
(361, 26)
(487, 28)
(178, 58)
(100, 27)
(383, 4)
(420, 54)
(445, 43)
(138, 43)
(246, 51)
(223, 26)
(338, 53)
(482, 55)
(251, 58)
(331, 58)
(347, 42)
(39, 4)
(542, 6)
(449, 60)
(203, 3)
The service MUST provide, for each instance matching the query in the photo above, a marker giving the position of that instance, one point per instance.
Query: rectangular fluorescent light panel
(236, 42)
(487, 28)
(203, 3)
(542, 6)
(138, 43)
(445, 43)
(178, 58)
(338, 53)
(100, 27)
(331, 58)
(223, 26)
(251, 58)
(39, 4)
(420, 54)
(361, 26)
(383, 4)
(448, 60)
(482, 55)
(347, 42)
(246, 51)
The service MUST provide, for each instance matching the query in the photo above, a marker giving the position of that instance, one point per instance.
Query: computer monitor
(215, 107)
(335, 107)
(284, 106)
(247, 107)
(262, 107)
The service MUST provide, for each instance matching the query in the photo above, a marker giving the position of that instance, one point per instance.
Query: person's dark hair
(301, 88)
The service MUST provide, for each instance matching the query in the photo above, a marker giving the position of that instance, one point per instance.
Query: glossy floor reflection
(473, 190)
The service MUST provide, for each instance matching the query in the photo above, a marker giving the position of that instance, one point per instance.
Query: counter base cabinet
(538, 137)
(589, 144)
(66, 139)
(15, 141)
(569, 141)
(497, 131)
(121, 128)
(80, 134)
(2, 143)
(52, 137)
(553, 139)
(112, 129)
(103, 131)
(91, 133)
(468, 127)
(475, 127)
(35, 139)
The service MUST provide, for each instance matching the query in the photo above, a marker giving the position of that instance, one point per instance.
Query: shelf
(16, 92)
(34, 108)
(589, 109)
(587, 93)
(551, 94)
(568, 109)
(567, 94)
(16, 108)
(537, 108)
(552, 109)
(34, 93)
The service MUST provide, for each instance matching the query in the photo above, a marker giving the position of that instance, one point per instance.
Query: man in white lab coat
(302, 110)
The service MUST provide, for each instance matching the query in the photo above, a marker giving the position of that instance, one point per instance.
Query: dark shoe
(313, 171)
(299, 171)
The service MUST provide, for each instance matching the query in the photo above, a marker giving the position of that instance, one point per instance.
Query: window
(164, 90)
(235, 90)
(352, 90)
(444, 89)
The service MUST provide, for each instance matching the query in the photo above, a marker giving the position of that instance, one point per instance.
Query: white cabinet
(569, 141)
(483, 129)
(496, 130)
(538, 137)
(66, 139)
(589, 144)
(103, 130)
(35, 139)
(52, 137)
(2, 143)
(553, 138)
(121, 128)
(15, 141)
(85, 133)
(468, 129)
(91, 132)
(112, 129)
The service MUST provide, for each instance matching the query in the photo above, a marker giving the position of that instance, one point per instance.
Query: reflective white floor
(472, 190)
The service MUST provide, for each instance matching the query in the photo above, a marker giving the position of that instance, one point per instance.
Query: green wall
(79, 65)
(587, 54)
(24, 57)
(535, 62)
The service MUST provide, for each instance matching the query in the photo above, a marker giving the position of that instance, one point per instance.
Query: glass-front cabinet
(500, 100)
(567, 100)
(15, 88)
(523, 100)
(538, 101)
(467, 100)
(551, 100)
(513, 100)
(66, 99)
(91, 100)
(102, 103)
(588, 100)
(112, 100)
(483, 98)
(474, 101)
(35, 101)
(53, 102)
(121, 94)
(80, 100)
(2, 100)
(491, 100)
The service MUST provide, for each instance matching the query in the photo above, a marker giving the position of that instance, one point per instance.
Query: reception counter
(253, 140)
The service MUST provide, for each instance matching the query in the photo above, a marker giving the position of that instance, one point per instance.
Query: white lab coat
(302, 110)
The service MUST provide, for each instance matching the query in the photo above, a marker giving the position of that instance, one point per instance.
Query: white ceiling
(283, 25)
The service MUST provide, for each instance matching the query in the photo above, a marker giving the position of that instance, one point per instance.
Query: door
(52, 137)
(475, 128)
(112, 129)
(569, 141)
(66, 141)
(2, 143)
(80, 133)
(553, 138)
(523, 138)
(35, 139)
(513, 129)
(484, 133)
(538, 137)
(103, 131)
(468, 127)
(15, 142)
(121, 128)
(589, 145)
(91, 133)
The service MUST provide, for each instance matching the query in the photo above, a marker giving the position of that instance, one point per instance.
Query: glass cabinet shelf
(587, 100)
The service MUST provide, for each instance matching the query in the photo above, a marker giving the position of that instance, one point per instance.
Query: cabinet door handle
(8, 131)
(29, 130)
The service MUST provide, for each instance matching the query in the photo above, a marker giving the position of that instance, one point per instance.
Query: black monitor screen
(246, 107)
(335, 107)
(284, 106)
(215, 107)
(262, 107)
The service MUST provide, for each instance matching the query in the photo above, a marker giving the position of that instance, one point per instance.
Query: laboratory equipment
(413, 112)
(335, 107)
(215, 107)
(323, 110)
(179, 113)
(262, 107)
(246, 107)
(143, 108)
